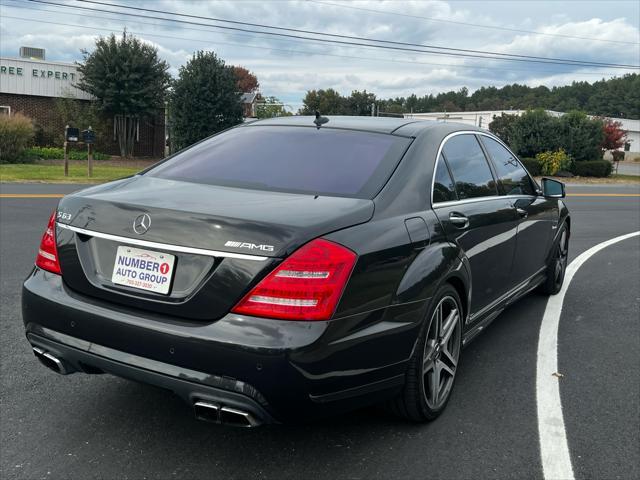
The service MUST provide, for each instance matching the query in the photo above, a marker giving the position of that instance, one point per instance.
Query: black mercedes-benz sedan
(285, 269)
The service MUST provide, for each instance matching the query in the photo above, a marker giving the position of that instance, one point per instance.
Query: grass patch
(629, 178)
(20, 172)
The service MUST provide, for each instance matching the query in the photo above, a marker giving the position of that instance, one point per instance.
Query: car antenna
(319, 121)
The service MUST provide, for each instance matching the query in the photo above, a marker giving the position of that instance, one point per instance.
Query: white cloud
(288, 67)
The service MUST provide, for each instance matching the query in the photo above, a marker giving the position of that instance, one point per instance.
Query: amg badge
(250, 246)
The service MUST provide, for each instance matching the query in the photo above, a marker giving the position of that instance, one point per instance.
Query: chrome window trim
(475, 199)
(162, 246)
(451, 203)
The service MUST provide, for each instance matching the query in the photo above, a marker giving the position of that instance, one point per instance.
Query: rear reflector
(47, 258)
(306, 286)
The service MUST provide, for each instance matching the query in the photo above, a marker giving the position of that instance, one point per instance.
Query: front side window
(443, 188)
(469, 167)
(512, 176)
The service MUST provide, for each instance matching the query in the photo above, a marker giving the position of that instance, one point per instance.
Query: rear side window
(291, 159)
(443, 187)
(512, 176)
(469, 167)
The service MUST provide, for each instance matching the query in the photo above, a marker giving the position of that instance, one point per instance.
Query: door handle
(522, 212)
(459, 220)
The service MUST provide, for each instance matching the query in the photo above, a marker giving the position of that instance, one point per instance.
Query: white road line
(556, 462)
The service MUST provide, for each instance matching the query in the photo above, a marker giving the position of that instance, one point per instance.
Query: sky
(596, 31)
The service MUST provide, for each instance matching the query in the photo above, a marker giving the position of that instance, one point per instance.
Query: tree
(204, 99)
(614, 136)
(246, 81)
(270, 107)
(503, 126)
(327, 102)
(129, 81)
(581, 136)
(534, 132)
(359, 103)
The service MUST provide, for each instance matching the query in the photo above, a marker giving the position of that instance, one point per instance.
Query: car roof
(398, 126)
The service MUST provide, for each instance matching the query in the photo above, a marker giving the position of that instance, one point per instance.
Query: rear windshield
(321, 161)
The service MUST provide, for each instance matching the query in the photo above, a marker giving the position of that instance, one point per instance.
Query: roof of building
(248, 97)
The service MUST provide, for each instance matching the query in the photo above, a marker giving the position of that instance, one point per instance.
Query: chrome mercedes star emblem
(142, 223)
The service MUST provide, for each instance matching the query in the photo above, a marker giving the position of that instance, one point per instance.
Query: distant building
(249, 101)
(30, 86)
(483, 118)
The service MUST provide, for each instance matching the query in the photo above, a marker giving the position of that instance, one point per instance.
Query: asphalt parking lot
(85, 427)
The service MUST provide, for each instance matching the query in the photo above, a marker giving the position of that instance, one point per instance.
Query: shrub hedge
(593, 168)
(532, 165)
(16, 134)
(55, 153)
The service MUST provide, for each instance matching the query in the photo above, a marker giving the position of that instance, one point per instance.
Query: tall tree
(327, 102)
(246, 81)
(204, 99)
(614, 136)
(128, 79)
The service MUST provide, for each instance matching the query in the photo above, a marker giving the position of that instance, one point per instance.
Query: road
(85, 427)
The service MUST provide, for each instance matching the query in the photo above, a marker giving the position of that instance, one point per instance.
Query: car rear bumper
(273, 370)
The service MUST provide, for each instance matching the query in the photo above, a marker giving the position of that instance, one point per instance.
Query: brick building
(31, 86)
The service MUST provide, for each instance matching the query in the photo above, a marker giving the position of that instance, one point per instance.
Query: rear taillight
(306, 286)
(47, 258)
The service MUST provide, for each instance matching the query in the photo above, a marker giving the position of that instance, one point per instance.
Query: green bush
(532, 165)
(581, 136)
(55, 153)
(16, 134)
(552, 162)
(535, 131)
(593, 168)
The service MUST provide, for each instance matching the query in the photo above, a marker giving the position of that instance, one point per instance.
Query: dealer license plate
(143, 269)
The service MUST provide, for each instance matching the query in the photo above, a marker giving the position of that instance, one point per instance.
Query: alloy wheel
(441, 352)
(561, 259)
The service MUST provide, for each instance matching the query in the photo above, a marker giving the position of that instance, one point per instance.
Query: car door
(535, 213)
(474, 216)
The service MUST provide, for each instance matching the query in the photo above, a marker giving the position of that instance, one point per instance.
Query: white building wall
(42, 78)
(482, 119)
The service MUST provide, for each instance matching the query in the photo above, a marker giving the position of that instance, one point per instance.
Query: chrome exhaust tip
(237, 418)
(211, 412)
(50, 361)
(208, 412)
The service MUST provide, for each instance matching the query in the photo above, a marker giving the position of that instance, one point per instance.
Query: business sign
(36, 77)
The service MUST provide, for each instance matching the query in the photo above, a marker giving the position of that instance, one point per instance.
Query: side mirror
(552, 188)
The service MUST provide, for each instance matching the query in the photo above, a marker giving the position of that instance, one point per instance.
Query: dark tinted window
(443, 188)
(511, 174)
(469, 167)
(290, 159)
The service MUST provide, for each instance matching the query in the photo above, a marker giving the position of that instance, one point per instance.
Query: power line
(449, 65)
(306, 52)
(486, 56)
(455, 22)
(337, 35)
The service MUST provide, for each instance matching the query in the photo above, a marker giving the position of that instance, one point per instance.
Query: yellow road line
(31, 195)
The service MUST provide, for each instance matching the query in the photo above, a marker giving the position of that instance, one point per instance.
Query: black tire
(418, 401)
(557, 266)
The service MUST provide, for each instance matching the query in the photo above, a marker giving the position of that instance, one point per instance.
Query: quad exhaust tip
(211, 412)
(50, 361)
